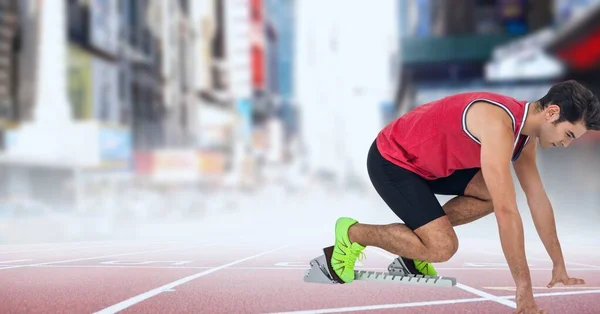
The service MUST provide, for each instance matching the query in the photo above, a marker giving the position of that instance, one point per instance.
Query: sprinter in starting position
(464, 145)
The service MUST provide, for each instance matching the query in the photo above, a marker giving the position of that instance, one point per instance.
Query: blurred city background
(134, 118)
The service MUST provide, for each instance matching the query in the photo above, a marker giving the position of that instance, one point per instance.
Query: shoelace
(356, 254)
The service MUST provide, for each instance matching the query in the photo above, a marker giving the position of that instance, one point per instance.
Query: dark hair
(576, 102)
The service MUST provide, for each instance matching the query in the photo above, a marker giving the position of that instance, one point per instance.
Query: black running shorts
(410, 196)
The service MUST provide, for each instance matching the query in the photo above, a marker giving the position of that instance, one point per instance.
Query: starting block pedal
(321, 272)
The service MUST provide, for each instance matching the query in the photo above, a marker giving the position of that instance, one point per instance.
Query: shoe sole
(328, 254)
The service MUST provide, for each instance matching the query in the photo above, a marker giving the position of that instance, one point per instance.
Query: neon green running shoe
(416, 267)
(345, 253)
(425, 268)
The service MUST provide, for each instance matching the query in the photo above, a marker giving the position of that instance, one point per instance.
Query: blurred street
(154, 152)
(154, 120)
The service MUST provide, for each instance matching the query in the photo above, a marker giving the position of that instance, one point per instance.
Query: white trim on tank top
(525, 112)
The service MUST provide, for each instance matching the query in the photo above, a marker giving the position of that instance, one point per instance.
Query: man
(464, 145)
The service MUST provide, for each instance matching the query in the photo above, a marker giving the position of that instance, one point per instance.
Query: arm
(492, 126)
(539, 204)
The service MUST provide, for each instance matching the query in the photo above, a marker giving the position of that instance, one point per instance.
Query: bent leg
(426, 233)
(434, 242)
(428, 230)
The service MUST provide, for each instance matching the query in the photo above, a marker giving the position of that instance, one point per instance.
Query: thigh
(458, 183)
(477, 188)
(407, 194)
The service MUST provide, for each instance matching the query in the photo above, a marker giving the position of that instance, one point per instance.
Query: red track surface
(188, 278)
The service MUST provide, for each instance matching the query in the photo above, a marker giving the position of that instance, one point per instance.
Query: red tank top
(432, 140)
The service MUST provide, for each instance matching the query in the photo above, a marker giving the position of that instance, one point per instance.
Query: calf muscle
(434, 242)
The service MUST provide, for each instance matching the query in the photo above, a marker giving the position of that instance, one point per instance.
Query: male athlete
(464, 145)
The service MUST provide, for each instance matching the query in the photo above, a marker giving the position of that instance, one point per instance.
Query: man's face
(558, 134)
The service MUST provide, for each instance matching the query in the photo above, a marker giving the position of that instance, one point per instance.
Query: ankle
(353, 235)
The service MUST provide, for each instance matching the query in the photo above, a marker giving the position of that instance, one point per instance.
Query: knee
(444, 250)
(440, 240)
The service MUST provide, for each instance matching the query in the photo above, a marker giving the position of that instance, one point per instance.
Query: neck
(533, 121)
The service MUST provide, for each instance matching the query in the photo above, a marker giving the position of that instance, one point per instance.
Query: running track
(177, 277)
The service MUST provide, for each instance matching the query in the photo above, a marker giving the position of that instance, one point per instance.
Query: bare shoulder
(486, 121)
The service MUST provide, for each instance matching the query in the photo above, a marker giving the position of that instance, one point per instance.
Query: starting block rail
(321, 272)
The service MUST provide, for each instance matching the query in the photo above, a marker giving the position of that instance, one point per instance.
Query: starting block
(321, 272)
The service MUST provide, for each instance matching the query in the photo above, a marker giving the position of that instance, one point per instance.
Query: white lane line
(141, 267)
(386, 306)
(61, 249)
(589, 267)
(554, 294)
(170, 286)
(429, 303)
(66, 248)
(480, 293)
(549, 261)
(487, 296)
(508, 269)
(52, 243)
(267, 267)
(97, 257)
(15, 261)
(169, 267)
(561, 287)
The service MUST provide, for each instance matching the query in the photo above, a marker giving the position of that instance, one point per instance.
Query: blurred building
(140, 77)
(10, 20)
(93, 42)
(515, 47)
(280, 53)
(447, 45)
(170, 21)
(142, 55)
(163, 89)
(577, 45)
(216, 113)
(237, 60)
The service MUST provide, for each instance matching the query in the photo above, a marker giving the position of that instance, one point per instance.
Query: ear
(552, 113)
